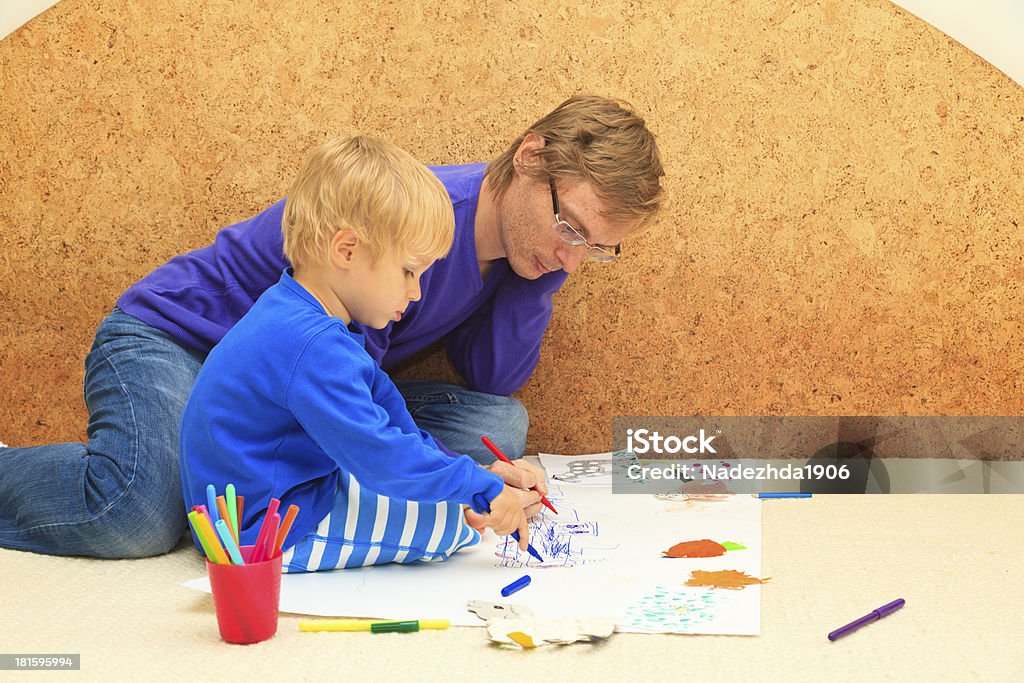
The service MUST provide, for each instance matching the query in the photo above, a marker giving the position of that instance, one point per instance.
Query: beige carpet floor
(957, 560)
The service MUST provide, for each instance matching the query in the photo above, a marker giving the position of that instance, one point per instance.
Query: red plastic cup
(246, 597)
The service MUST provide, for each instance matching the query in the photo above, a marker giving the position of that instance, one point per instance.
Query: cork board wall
(845, 204)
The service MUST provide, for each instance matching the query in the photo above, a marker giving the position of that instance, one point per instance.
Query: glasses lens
(601, 255)
(568, 233)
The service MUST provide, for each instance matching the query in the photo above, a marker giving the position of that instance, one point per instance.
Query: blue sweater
(492, 329)
(287, 398)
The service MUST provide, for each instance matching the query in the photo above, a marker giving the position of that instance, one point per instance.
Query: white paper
(602, 558)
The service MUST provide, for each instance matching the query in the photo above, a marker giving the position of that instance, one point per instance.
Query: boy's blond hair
(600, 141)
(392, 202)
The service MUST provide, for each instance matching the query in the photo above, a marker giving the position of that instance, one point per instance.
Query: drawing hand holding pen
(481, 503)
(504, 458)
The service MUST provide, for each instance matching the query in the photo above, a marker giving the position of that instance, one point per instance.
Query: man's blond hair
(392, 202)
(598, 140)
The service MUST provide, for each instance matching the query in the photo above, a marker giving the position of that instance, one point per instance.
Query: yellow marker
(202, 537)
(374, 625)
(205, 528)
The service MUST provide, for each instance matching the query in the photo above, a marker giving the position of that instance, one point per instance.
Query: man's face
(526, 219)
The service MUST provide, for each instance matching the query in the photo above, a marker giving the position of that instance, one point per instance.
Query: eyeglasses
(570, 235)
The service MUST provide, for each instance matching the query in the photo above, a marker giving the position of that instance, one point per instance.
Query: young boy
(289, 405)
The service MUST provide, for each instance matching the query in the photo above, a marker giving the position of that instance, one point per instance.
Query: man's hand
(522, 475)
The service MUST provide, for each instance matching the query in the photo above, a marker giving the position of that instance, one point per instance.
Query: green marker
(395, 627)
(232, 500)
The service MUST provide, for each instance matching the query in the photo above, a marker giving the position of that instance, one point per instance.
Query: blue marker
(529, 547)
(481, 503)
(783, 495)
(229, 542)
(516, 585)
(211, 503)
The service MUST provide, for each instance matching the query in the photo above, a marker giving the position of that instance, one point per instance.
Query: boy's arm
(394, 405)
(520, 475)
(497, 348)
(337, 409)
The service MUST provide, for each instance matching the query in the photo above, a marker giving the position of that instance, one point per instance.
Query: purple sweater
(492, 329)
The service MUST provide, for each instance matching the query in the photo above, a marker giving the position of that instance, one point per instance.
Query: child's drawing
(727, 578)
(581, 469)
(592, 470)
(702, 548)
(563, 540)
(613, 544)
(671, 609)
(696, 501)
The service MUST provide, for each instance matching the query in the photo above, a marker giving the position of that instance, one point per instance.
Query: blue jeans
(458, 417)
(119, 495)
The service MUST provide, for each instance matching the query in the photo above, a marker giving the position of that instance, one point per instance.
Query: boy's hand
(507, 514)
(474, 519)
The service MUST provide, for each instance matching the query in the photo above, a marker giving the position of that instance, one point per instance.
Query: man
(571, 187)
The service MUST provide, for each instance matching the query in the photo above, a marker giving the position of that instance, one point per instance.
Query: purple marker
(883, 611)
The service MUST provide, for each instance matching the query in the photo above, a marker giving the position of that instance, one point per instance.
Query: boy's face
(378, 293)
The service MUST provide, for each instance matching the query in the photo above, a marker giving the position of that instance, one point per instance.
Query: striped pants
(364, 528)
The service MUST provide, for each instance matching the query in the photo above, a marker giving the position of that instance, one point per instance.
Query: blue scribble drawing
(563, 540)
(674, 609)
